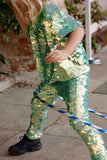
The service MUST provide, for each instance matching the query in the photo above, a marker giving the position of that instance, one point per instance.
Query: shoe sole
(34, 149)
(27, 150)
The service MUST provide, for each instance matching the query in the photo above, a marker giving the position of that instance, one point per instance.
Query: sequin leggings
(74, 93)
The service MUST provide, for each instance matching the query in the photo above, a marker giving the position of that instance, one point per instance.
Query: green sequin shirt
(51, 31)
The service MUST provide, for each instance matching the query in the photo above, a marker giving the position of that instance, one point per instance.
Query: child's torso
(44, 39)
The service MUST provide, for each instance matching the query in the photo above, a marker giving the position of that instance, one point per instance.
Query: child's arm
(73, 41)
(21, 21)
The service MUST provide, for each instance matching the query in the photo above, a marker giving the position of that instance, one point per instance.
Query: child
(63, 70)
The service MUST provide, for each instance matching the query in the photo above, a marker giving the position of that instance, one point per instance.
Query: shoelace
(22, 139)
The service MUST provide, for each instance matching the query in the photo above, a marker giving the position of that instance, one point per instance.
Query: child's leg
(39, 110)
(75, 96)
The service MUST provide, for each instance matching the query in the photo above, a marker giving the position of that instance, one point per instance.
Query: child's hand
(56, 56)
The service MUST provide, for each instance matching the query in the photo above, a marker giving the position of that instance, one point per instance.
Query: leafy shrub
(8, 21)
(97, 16)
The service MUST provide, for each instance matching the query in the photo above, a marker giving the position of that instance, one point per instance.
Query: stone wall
(18, 52)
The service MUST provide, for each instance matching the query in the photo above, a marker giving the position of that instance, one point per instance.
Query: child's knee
(35, 103)
(46, 93)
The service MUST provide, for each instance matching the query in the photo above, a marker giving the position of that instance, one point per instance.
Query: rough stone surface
(7, 83)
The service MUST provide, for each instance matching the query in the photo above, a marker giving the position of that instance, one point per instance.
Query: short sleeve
(62, 23)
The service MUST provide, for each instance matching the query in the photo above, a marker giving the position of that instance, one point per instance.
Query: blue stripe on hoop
(73, 117)
(103, 116)
(89, 124)
(51, 106)
(93, 111)
(102, 130)
(61, 111)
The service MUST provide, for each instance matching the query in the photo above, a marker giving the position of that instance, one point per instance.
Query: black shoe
(25, 145)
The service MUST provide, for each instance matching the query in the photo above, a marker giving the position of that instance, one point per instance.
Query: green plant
(8, 21)
(97, 16)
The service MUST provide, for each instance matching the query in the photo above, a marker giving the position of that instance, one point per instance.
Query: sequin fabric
(68, 78)
(49, 32)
